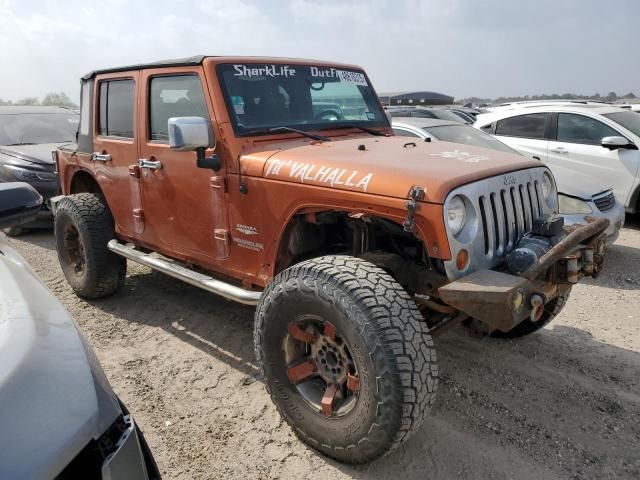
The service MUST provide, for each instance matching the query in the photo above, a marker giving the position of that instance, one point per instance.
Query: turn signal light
(462, 259)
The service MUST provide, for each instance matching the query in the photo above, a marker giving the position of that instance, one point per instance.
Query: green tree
(28, 101)
(58, 100)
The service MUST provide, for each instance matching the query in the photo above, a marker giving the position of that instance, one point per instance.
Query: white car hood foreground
(576, 184)
(54, 397)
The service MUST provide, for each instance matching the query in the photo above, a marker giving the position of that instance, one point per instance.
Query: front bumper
(502, 300)
(615, 215)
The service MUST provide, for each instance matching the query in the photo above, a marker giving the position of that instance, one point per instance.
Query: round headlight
(456, 215)
(547, 185)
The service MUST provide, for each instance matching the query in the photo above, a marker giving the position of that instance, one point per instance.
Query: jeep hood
(54, 395)
(387, 166)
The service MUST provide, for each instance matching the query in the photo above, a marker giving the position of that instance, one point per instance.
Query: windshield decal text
(250, 71)
(308, 172)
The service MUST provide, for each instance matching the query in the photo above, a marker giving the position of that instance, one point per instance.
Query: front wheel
(346, 357)
(526, 327)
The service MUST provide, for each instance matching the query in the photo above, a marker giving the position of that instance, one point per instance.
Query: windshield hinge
(415, 194)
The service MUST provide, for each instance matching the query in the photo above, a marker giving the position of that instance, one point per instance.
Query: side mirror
(194, 133)
(613, 143)
(190, 133)
(19, 204)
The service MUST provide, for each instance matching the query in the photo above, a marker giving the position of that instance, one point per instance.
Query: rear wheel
(83, 226)
(526, 327)
(346, 357)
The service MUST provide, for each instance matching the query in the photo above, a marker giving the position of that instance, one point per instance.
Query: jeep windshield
(263, 98)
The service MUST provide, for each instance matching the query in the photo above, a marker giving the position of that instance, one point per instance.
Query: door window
(574, 128)
(526, 126)
(174, 96)
(116, 108)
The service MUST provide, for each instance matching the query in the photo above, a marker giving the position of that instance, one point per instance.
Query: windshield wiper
(348, 125)
(295, 130)
(20, 143)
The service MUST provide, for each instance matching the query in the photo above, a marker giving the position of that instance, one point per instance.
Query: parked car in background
(28, 136)
(578, 194)
(463, 115)
(60, 418)
(424, 112)
(596, 139)
(468, 114)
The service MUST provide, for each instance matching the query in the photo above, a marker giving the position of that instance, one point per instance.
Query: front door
(184, 206)
(577, 146)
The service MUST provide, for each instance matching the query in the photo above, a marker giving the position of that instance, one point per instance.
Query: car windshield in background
(262, 97)
(629, 120)
(34, 128)
(468, 136)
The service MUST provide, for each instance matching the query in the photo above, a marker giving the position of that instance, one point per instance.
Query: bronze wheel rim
(321, 367)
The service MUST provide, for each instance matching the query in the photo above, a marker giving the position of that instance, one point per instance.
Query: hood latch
(415, 194)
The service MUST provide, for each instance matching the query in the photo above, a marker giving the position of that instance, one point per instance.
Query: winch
(546, 232)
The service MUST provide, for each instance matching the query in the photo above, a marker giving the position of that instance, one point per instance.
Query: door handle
(535, 157)
(152, 164)
(560, 150)
(101, 157)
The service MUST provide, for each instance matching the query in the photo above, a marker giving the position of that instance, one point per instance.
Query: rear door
(525, 133)
(184, 206)
(115, 148)
(576, 144)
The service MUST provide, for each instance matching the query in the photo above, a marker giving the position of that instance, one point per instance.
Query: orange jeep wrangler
(278, 183)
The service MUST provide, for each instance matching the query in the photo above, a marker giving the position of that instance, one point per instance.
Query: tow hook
(415, 194)
(537, 307)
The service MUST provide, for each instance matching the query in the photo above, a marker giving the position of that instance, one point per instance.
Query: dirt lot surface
(562, 403)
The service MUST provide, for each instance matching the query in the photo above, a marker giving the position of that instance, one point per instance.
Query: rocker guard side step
(177, 270)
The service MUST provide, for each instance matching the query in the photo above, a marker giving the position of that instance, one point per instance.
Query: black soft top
(176, 62)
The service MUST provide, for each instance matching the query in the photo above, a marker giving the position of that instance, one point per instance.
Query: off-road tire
(103, 272)
(388, 337)
(14, 231)
(526, 327)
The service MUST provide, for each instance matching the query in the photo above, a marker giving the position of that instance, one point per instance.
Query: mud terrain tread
(526, 327)
(397, 340)
(105, 271)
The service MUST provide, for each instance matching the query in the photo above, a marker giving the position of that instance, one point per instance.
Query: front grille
(507, 214)
(501, 210)
(604, 201)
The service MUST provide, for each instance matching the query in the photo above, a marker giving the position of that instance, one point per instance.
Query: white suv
(594, 139)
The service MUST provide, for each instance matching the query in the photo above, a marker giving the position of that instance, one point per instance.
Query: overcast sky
(463, 48)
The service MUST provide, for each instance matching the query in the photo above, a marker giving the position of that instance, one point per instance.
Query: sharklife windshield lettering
(307, 172)
(250, 71)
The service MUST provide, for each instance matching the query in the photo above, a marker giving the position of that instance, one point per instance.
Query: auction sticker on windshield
(352, 77)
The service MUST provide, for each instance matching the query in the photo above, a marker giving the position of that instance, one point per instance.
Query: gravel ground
(562, 403)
